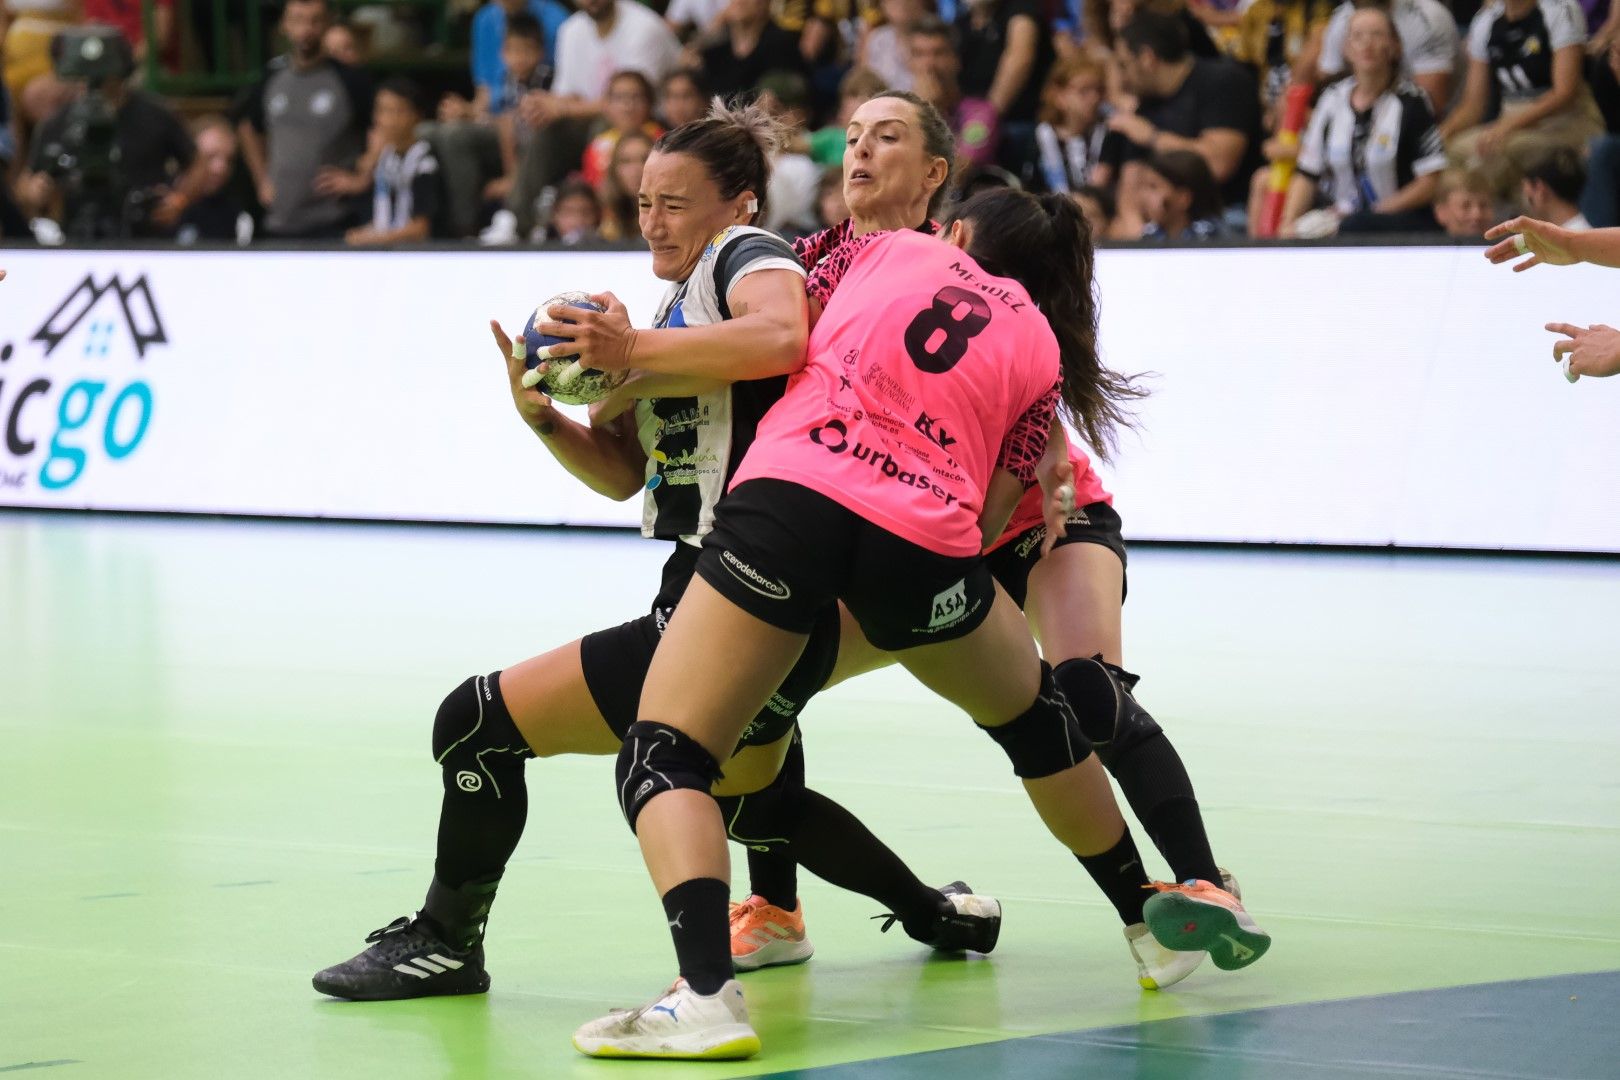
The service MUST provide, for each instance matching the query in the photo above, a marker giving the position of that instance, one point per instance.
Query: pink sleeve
(1021, 451)
(826, 275)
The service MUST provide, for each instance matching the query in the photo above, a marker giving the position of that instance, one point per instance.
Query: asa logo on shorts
(950, 606)
(775, 590)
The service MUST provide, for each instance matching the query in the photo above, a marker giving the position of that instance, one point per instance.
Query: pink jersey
(1030, 512)
(924, 374)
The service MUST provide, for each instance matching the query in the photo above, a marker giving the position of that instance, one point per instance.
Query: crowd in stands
(1164, 119)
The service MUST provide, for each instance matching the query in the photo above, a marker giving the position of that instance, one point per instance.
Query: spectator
(1067, 151)
(303, 129)
(683, 97)
(208, 207)
(1098, 206)
(408, 192)
(1430, 45)
(752, 46)
(154, 150)
(126, 16)
(1530, 54)
(1006, 52)
(1178, 198)
(341, 42)
(697, 20)
(576, 216)
(25, 54)
(1463, 203)
(931, 55)
(602, 37)
(1551, 188)
(1371, 151)
(489, 73)
(629, 108)
(860, 85)
(1600, 201)
(831, 209)
(1104, 19)
(1276, 38)
(620, 189)
(790, 201)
(1211, 107)
(882, 48)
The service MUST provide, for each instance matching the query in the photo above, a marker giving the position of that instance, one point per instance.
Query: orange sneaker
(1200, 917)
(764, 935)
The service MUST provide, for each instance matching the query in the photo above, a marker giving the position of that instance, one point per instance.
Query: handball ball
(565, 380)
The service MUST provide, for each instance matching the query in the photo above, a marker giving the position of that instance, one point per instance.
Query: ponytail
(1044, 243)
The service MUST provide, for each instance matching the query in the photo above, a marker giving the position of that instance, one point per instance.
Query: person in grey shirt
(303, 130)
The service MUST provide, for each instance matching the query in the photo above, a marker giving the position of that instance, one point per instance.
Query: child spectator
(1067, 153)
(628, 108)
(576, 216)
(1177, 197)
(1098, 206)
(1463, 203)
(620, 190)
(408, 191)
(683, 97)
(790, 203)
(860, 85)
(831, 209)
(1551, 188)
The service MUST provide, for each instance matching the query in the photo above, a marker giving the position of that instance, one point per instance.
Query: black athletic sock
(458, 915)
(775, 876)
(1155, 783)
(481, 820)
(696, 911)
(832, 844)
(1118, 873)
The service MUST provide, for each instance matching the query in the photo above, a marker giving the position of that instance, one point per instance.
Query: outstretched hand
(535, 408)
(1592, 350)
(602, 339)
(1543, 242)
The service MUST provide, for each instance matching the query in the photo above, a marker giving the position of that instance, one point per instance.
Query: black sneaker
(967, 922)
(406, 960)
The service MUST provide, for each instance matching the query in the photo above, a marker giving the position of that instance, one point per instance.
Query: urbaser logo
(76, 391)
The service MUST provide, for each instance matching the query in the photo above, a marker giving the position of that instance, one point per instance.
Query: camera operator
(105, 160)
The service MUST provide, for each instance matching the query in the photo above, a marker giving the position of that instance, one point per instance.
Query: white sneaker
(1157, 967)
(680, 1024)
(1229, 882)
(503, 229)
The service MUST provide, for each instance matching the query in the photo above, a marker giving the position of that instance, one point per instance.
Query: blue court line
(1566, 1027)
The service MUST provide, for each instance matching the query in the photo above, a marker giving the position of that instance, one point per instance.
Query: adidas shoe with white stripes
(406, 960)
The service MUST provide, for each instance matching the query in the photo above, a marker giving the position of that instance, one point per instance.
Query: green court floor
(216, 780)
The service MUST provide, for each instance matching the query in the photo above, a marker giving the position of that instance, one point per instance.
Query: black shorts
(786, 555)
(616, 661)
(1097, 523)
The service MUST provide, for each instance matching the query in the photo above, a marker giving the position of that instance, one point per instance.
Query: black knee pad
(1100, 695)
(1047, 738)
(766, 819)
(475, 741)
(656, 758)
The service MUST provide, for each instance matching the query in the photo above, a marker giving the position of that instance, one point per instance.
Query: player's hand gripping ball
(563, 379)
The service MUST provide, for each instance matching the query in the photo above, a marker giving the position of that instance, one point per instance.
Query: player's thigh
(716, 668)
(1074, 603)
(552, 705)
(754, 768)
(992, 673)
(856, 655)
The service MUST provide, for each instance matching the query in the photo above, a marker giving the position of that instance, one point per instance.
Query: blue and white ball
(564, 380)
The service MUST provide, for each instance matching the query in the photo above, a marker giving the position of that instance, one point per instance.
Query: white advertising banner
(1347, 396)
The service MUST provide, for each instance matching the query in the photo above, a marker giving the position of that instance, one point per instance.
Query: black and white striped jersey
(694, 444)
(1520, 52)
(1362, 156)
(406, 186)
